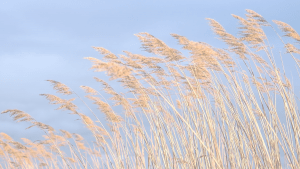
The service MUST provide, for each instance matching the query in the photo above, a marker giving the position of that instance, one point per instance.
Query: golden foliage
(207, 110)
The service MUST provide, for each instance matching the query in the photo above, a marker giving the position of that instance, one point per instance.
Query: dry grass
(213, 109)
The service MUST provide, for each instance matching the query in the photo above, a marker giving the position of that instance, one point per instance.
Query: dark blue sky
(43, 40)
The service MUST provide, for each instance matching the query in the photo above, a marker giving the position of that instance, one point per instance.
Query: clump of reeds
(216, 108)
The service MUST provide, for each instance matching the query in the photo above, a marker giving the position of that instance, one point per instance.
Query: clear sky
(43, 40)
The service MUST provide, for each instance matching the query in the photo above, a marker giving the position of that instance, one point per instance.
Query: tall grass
(217, 108)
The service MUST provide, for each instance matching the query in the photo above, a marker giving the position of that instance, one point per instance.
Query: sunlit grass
(216, 108)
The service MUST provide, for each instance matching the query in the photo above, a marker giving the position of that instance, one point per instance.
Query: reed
(216, 108)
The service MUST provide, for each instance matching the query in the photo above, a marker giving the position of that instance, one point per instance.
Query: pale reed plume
(205, 110)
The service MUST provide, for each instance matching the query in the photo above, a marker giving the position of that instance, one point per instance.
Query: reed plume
(216, 108)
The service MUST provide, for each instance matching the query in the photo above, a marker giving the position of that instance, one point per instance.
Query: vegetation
(217, 108)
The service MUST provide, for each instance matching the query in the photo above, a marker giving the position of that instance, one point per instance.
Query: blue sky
(43, 40)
